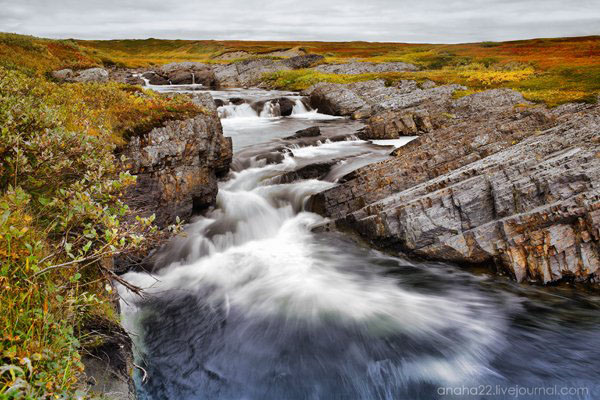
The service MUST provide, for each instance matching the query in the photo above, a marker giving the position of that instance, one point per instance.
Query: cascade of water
(270, 110)
(230, 111)
(252, 303)
(299, 107)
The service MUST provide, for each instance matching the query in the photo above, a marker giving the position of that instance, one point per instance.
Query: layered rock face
(177, 166)
(364, 99)
(353, 68)
(250, 72)
(84, 75)
(497, 181)
(183, 73)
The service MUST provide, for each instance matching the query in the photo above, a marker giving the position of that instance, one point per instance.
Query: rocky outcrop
(286, 106)
(304, 61)
(183, 73)
(498, 182)
(248, 73)
(177, 165)
(84, 75)
(313, 131)
(365, 99)
(353, 68)
(393, 124)
(336, 99)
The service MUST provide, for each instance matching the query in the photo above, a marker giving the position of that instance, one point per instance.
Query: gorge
(263, 298)
(232, 219)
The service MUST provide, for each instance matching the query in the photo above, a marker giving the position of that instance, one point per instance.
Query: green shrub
(62, 219)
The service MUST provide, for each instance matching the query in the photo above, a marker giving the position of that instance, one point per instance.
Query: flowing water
(252, 303)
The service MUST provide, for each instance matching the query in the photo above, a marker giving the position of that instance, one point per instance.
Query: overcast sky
(433, 21)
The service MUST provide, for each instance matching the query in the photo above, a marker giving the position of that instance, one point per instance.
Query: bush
(62, 220)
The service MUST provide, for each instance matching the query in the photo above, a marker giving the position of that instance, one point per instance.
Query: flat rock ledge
(496, 181)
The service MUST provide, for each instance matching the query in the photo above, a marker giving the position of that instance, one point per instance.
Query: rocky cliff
(177, 165)
(496, 181)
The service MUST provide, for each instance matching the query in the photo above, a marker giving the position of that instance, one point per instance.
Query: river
(254, 303)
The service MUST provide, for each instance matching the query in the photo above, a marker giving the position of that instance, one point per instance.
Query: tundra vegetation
(61, 216)
(61, 180)
(553, 71)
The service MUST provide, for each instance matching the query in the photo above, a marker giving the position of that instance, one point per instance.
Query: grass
(553, 71)
(61, 217)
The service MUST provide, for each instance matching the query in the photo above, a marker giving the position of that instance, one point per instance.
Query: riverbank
(260, 281)
(493, 179)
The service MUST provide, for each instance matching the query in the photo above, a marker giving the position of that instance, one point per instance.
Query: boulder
(63, 74)
(84, 75)
(155, 79)
(91, 75)
(428, 84)
(313, 131)
(237, 101)
(353, 68)
(286, 106)
(336, 99)
(251, 72)
(304, 61)
(185, 73)
(513, 187)
(311, 171)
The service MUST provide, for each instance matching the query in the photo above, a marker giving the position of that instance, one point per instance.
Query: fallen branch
(145, 377)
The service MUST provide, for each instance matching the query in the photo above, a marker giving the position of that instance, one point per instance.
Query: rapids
(253, 303)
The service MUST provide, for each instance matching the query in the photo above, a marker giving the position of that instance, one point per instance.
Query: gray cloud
(435, 21)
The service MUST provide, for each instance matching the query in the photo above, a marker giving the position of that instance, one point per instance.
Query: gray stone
(63, 74)
(91, 75)
(497, 184)
(353, 68)
(177, 165)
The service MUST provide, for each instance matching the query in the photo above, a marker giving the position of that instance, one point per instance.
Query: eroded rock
(177, 166)
(84, 75)
(365, 99)
(312, 131)
(393, 124)
(353, 68)
(497, 183)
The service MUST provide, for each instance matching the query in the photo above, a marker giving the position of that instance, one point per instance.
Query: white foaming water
(231, 111)
(300, 111)
(257, 254)
(394, 142)
(251, 304)
(270, 110)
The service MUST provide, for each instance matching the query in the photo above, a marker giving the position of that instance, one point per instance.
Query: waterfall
(270, 110)
(230, 111)
(299, 108)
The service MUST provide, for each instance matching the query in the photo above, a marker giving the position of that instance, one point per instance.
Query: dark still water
(252, 304)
